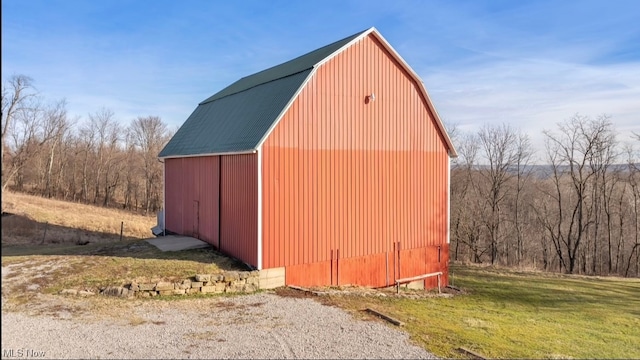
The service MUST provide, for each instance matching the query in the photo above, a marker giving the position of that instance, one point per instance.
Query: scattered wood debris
(386, 317)
(474, 354)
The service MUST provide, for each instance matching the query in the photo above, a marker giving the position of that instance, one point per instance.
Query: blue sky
(530, 64)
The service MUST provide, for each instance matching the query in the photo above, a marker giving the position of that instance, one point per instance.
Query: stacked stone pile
(227, 282)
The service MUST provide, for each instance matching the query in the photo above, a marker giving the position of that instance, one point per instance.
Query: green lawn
(508, 314)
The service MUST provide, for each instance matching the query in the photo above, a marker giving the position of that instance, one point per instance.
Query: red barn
(329, 169)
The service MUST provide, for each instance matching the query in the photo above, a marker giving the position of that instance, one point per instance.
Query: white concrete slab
(177, 243)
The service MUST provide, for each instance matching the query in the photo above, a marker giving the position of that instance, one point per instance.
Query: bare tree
(57, 125)
(602, 158)
(30, 132)
(500, 151)
(634, 182)
(150, 135)
(132, 174)
(73, 151)
(100, 136)
(570, 152)
(66, 165)
(523, 155)
(541, 208)
(464, 203)
(87, 142)
(16, 97)
(623, 213)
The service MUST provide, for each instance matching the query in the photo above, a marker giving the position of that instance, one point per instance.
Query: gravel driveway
(257, 326)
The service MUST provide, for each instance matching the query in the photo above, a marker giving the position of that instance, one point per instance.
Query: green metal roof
(240, 115)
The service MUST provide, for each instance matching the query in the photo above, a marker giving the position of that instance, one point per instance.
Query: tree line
(96, 160)
(577, 213)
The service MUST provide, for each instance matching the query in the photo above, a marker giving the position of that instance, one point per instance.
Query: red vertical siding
(194, 207)
(173, 195)
(341, 173)
(208, 198)
(239, 207)
(191, 196)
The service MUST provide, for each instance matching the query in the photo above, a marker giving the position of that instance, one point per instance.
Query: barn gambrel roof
(238, 118)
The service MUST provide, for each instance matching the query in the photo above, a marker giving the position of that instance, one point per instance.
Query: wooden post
(46, 225)
(121, 229)
(331, 266)
(386, 260)
(338, 267)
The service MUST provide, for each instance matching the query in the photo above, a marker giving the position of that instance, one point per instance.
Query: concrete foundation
(272, 278)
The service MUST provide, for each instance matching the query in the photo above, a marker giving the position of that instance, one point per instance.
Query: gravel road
(257, 326)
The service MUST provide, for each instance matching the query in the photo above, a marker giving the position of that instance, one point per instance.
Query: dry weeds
(79, 252)
(67, 222)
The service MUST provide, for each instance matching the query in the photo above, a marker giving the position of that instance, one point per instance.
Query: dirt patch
(293, 293)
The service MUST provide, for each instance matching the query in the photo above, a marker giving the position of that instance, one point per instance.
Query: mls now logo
(18, 353)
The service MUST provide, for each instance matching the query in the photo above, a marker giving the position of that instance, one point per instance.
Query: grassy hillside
(509, 314)
(67, 222)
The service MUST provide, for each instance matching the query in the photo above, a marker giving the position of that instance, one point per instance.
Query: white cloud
(535, 95)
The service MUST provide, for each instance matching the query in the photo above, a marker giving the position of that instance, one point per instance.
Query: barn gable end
(355, 172)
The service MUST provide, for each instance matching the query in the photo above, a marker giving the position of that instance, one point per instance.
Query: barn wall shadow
(22, 236)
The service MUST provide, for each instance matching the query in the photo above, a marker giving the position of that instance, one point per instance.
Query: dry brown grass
(66, 221)
(82, 250)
